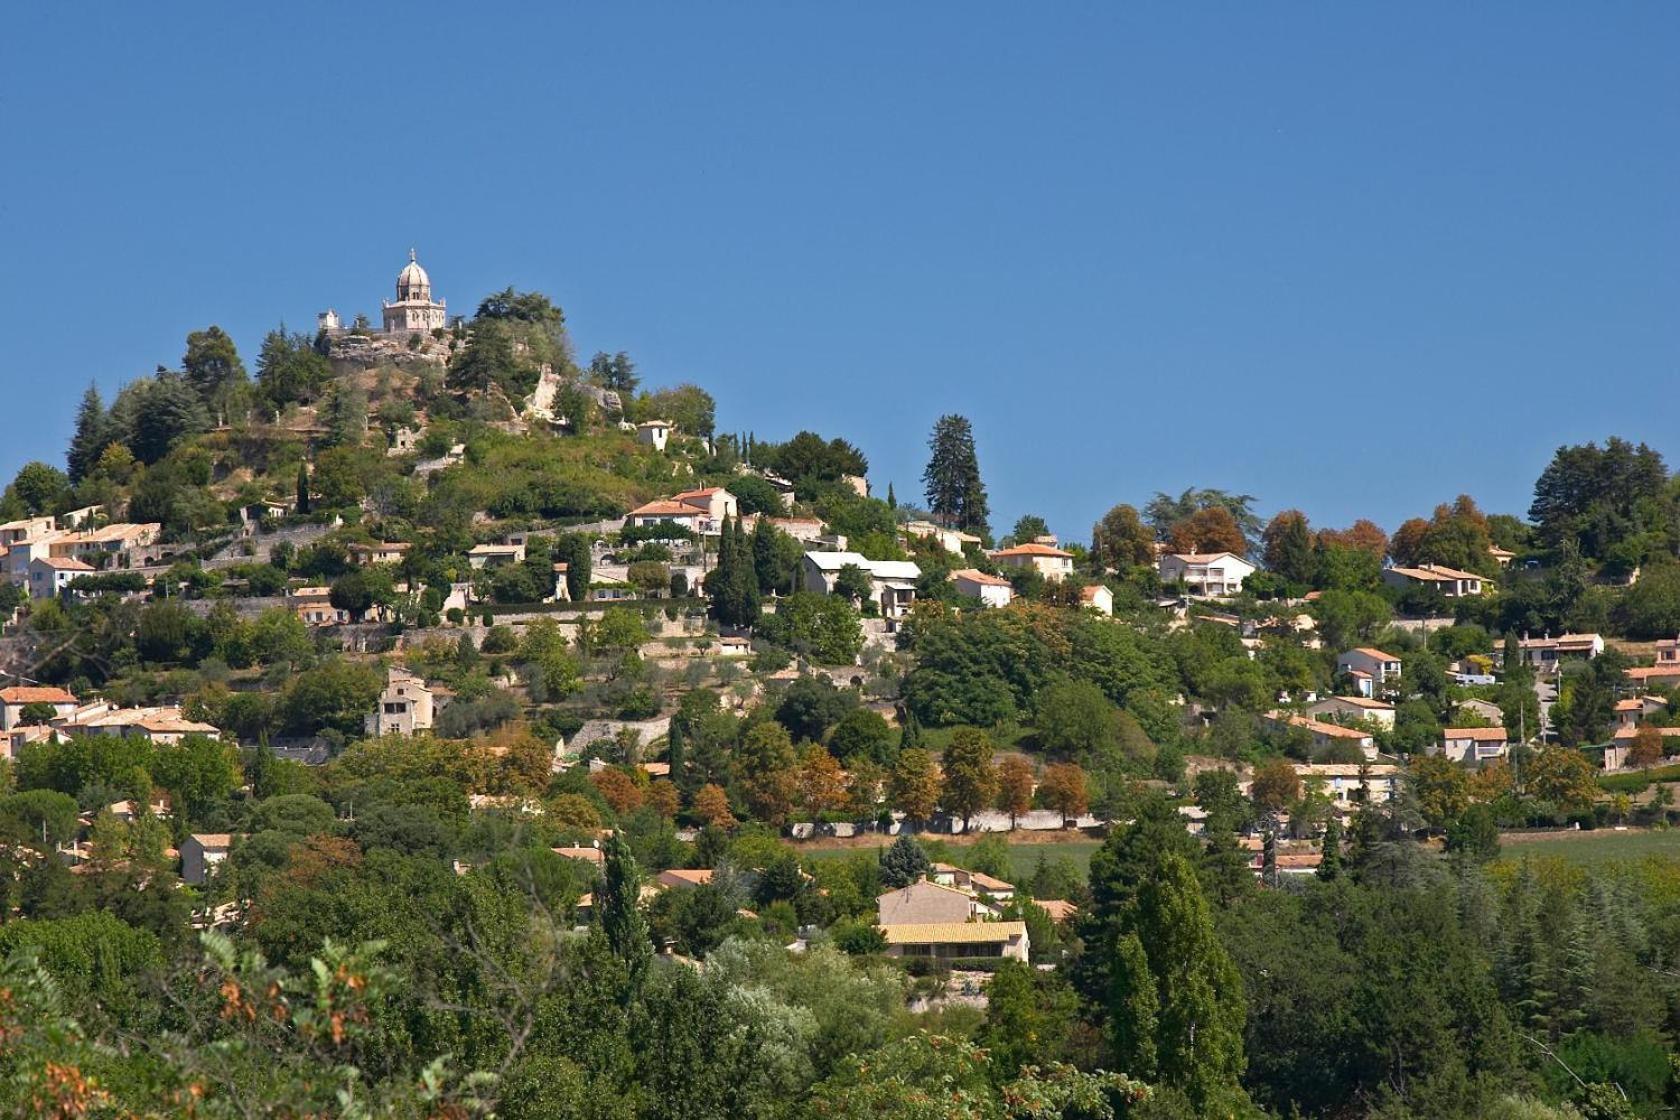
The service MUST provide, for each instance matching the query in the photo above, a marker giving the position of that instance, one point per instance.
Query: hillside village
(331, 648)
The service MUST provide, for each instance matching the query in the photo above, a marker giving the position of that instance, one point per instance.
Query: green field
(1022, 857)
(1598, 847)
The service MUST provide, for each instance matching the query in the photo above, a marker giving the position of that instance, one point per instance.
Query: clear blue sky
(1351, 258)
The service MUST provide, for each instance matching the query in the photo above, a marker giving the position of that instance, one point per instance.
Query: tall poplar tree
(1198, 1013)
(618, 906)
(954, 491)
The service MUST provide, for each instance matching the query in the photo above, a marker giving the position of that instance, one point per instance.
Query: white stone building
(414, 310)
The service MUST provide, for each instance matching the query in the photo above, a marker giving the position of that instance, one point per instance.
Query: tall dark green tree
(289, 368)
(93, 434)
(572, 550)
(614, 371)
(618, 909)
(955, 493)
(1200, 1009)
(1289, 547)
(1330, 865)
(212, 366)
(303, 488)
(732, 587)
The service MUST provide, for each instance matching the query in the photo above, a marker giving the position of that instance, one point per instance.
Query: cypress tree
(764, 556)
(676, 754)
(892, 499)
(303, 488)
(910, 734)
(748, 600)
(1330, 864)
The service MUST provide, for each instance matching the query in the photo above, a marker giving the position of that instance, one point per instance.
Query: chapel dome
(412, 278)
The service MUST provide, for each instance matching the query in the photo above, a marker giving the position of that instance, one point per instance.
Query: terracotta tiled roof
(953, 933)
(1375, 654)
(1059, 909)
(974, 575)
(27, 694)
(1033, 549)
(1479, 734)
(663, 509)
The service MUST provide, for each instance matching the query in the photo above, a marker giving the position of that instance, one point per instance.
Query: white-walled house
(954, 541)
(678, 514)
(714, 502)
(892, 582)
(1473, 746)
(51, 576)
(1450, 582)
(1342, 709)
(1547, 654)
(15, 699)
(1370, 668)
(495, 555)
(1098, 597)
(1206, 574)
(1051, 563)
(1349, 785)
(654, 433)
(992, 591)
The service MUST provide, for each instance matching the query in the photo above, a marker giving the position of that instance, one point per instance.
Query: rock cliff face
(349, 352)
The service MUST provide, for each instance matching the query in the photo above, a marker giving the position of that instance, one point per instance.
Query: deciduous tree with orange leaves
(1063, 789)
(1015, 786)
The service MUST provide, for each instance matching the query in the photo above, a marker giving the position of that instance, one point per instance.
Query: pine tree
(903, 863)
(954, 490)
(618, 904)
(94, 432)
(303, 488)
(1224, 865)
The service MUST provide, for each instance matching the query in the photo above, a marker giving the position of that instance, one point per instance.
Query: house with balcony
(1207, 575)
(1473, 746)
(892, 582)
(1371, 669)
(1547, 654)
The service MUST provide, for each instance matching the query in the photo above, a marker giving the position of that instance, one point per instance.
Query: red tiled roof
(26, 694)
(1033, 549)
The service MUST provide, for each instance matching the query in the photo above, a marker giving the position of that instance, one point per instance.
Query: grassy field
(1022, 857)
(1597, 847)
